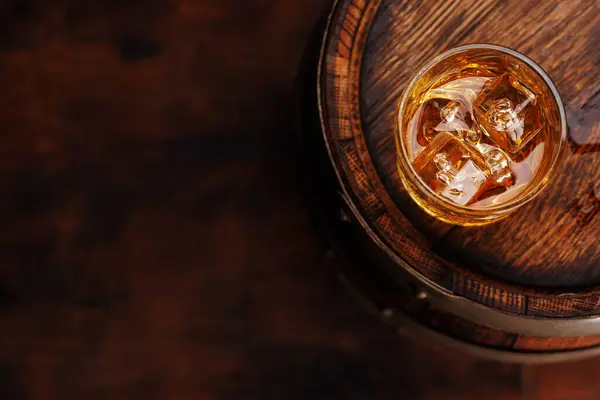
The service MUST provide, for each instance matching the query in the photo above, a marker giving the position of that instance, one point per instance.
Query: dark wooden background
(155, 240)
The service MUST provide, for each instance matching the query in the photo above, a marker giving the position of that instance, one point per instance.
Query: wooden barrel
(525, 289)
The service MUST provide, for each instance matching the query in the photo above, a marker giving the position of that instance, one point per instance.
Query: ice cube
(466, 184)
(498, 164)
(429, 118)
(454, 118)
(450, 111)
(441, 115)
(446, 169)
(457, 120)
(472, 135)
(463, 90)
(440, 161)
(507, 111)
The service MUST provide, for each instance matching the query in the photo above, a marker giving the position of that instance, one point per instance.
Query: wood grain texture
(541, 261)
(155, 242)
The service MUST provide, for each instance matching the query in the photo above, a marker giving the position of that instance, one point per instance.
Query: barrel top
(540, 261)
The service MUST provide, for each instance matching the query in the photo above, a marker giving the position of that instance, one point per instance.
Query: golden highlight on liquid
(476, 134)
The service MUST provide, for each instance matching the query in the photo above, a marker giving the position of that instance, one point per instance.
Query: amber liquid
(476, 134)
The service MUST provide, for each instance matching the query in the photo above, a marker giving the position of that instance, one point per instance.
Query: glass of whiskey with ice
(480, 129)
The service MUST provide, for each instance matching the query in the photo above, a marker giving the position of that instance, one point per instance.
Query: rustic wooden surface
(560, 248)
(155, 242)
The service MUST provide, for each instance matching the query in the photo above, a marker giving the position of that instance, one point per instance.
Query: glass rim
(518, 200)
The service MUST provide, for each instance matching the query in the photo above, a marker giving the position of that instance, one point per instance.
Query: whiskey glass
(480, 130)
